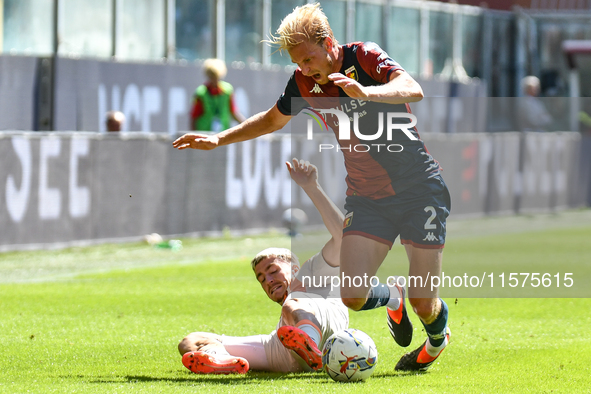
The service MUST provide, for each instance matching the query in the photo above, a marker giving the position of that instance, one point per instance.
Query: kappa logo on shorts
(348, 220)
(430, 237)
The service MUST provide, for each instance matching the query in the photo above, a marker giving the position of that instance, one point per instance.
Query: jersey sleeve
(285, 102)
(376, 62)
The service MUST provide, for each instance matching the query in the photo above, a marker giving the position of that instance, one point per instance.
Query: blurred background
(64, 64)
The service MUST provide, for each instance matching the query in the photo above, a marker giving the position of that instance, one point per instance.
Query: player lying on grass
(308, 315)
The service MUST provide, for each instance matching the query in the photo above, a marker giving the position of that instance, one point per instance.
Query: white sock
(312, 331)
(395, 296)
(434, 351)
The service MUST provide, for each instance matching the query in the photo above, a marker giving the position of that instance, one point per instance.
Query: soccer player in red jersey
(390, 193)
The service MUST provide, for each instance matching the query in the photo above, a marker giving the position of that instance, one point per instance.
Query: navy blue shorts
(418, 215)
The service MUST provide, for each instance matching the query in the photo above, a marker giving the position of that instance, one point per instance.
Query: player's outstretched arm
(306, 176)
(255, 126)
(401, 88)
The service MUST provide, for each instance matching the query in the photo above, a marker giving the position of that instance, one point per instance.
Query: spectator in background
(213, 105)
(532, 115)
(114, 121)
(585, 115)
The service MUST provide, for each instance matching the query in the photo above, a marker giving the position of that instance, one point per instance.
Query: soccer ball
(349, 355)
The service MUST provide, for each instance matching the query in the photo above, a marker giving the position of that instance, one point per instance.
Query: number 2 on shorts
(428, 224)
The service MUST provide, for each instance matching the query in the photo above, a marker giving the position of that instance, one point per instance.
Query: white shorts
(266, 353)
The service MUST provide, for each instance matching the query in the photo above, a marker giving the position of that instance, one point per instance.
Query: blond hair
(215, 68)
(305, 23)
(280, 253)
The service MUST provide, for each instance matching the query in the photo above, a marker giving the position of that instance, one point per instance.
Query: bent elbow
(418, 94)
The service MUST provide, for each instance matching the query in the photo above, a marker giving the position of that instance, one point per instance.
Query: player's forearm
(251, 128)
(400, 90)
(331, 215)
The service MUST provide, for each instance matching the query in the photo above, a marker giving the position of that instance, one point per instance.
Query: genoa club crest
(348, 220)
(351, 72)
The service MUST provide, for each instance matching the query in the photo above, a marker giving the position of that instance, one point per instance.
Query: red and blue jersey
(378, 172)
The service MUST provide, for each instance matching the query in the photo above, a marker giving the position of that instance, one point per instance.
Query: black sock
(436, 330)
(378, 296)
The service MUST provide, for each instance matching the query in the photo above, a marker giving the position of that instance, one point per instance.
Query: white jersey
(317, 277)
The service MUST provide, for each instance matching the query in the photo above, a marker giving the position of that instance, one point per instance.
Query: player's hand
(302, 172)
(196, 141)
(350, 86)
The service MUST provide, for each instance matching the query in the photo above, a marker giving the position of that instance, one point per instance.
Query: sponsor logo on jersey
(382, 63)
(316, 89)
(348, 220)
(351, 72)
(385, 63)
(430, 237)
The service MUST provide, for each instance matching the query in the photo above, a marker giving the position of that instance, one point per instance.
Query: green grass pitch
(107, 319)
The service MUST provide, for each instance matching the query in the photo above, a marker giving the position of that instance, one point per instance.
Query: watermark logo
(317, 116)
(390, 119)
